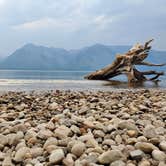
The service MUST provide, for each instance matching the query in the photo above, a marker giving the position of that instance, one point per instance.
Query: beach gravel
(83, 128)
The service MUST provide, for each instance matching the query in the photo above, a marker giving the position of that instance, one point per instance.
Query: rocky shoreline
(123, 128)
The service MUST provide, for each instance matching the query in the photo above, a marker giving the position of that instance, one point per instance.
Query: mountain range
(33, 57)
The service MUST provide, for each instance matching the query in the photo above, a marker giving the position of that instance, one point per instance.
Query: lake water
(25, 80)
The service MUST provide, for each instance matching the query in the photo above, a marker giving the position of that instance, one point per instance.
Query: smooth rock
(85, 137)
(68, 161)
(13, 139)
(98, 133)
(131, 141)
(160, 130)
(149, 131)
(19, 127)
(159, 155)
(162, 163)
(53, 106)
(110, 156)
(30, 134)
(162, 145)
(75, 129)
(109, 142)
(50, 148)
(56, 156)
(44, 134)
(130, 164)
(145, 147)
(2, 155)
(144, 163)
(62, 132)
(50, 125)
(132, 133)
(118, 139)
(92, 157)
(3, 139)
(78, 149)
(141, 139)
(92, 143)
(36, 151)
(136, 154)
(7, 161)
(22, 154)
(20, 145)
(50, 141)
(127, 125)
(118, 163)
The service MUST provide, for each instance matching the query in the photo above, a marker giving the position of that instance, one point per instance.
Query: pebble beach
(83, 128)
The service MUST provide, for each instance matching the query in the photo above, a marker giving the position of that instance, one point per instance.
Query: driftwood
(125, 64)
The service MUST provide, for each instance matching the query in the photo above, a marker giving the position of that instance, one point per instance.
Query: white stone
(21, 154)
(56, 156)
(159, 155)
(162, 145)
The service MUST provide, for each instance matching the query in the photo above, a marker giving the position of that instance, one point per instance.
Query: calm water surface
(18, 80)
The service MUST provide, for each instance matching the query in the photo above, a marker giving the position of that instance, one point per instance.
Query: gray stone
(136, 154)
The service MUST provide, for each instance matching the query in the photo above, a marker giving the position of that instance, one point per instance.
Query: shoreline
(65, 127)
(74, 85)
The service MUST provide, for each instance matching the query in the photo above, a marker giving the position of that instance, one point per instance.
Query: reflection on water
(47, 80)
(125, 84)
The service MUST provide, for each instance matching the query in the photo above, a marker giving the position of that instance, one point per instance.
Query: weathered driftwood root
(125, 64)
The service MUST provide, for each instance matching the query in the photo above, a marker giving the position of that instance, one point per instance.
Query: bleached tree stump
(126, 64)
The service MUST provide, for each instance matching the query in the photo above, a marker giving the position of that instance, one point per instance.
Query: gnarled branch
(125, 64)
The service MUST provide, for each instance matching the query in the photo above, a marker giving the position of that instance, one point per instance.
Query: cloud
(42, 23)
(76, 23)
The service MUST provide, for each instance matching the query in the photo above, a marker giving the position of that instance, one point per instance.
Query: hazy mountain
(32, 57)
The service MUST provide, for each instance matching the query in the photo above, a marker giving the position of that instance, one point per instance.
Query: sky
(73, 24)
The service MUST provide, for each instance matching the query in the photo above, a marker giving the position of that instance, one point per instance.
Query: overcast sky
(78, 23)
